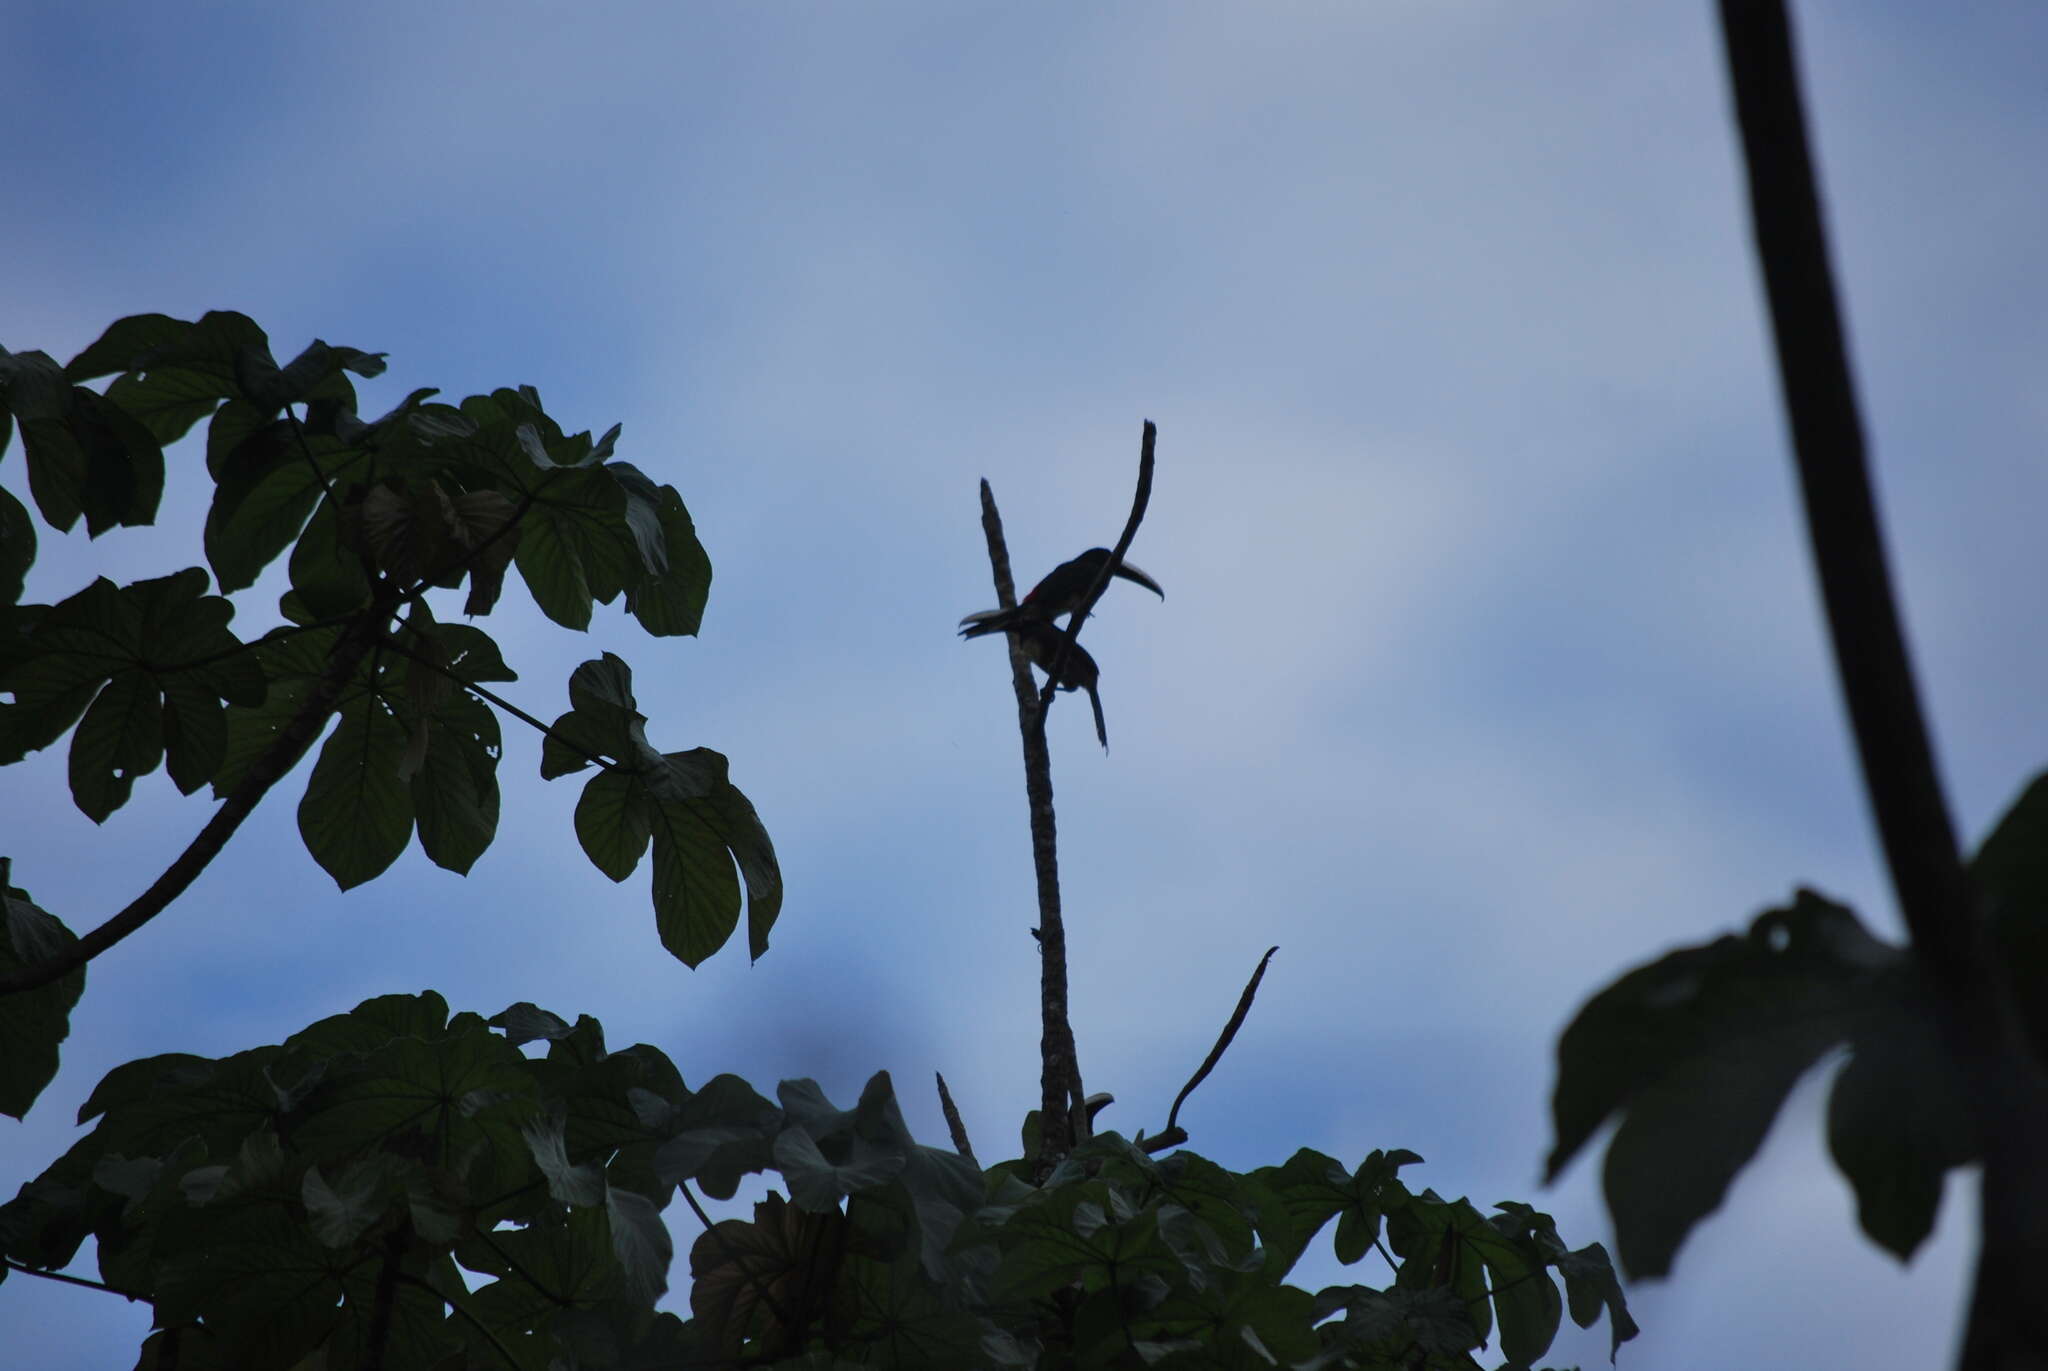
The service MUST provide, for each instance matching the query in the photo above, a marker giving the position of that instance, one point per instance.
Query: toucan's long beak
(1131, 573)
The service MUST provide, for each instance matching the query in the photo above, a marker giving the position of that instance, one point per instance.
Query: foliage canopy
(399, 1186)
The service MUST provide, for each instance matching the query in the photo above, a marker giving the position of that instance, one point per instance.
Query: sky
(1489, 666)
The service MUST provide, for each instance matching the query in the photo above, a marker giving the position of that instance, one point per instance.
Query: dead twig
(1174, 1134)
(953, 1123)
(1060, 1096)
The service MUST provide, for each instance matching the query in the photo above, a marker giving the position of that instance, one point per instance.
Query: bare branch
(1244, 1007)
(2008, 1322)
(953, 1123)
(1062, 1118)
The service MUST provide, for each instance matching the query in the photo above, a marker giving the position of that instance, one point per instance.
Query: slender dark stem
(269, 767)
(385, 1299)
(490, 696)
(2008, 1322)
(1063, 1116)
(1223, 1041)
(954, 1125)
(278, 634)
(1841, 513)
(63, 1279)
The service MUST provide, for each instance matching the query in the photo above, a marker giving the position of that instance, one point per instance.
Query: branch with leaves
(372, 518)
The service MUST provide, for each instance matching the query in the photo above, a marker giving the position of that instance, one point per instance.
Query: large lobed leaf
(1695, 1053)
(705, 835)
(143, 670)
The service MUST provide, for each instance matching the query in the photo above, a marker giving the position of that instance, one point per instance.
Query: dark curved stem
(62, 1279)
(954, 1124)
(2008, 1324)
(491, 697)
(1223, 1041)
(268, 768)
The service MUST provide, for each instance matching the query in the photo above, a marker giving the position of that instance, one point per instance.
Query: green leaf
(672, 579)
(146, 642)
(573, 545)
(84, 454)
(34, 391)
(195, 731)
(357, 814)
(272, 387)
(527, 1022)
(696, 893)
(17, 544)
(32, 1022)
(1591, 1285)
(260, 507)
(455, 791)
(614, 818)
(569, 1182)
(372, 1025)
(120, 738)
(342, 1211)
(174, 374)
(132, 1084)
(328, 576)
(471, 655)
(265, 1287)
(1696, 1052)
(603, 721)
(543, 1271)
(1898, 1117)
(457, 1097)
(640, 1242)
(1311, 1188)
(292, 660)
(721, 1133)
(130, 344)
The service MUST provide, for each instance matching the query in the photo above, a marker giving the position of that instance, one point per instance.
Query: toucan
(1061, 592)
(1041, 642)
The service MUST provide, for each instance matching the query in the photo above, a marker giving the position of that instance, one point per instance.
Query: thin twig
(492, 697)
(279, 758)
(953, 1123)
(1139, 501)
(276, 635)
(1063, 1118)
(1223, 1041)
(9, 1264)
(2008, 1322)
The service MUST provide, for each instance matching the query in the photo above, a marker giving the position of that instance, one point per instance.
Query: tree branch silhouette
(2008, 1321)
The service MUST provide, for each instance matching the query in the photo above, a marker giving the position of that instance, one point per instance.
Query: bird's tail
(987, 621)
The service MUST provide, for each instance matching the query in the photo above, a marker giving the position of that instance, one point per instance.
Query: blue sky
(1489, 664)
